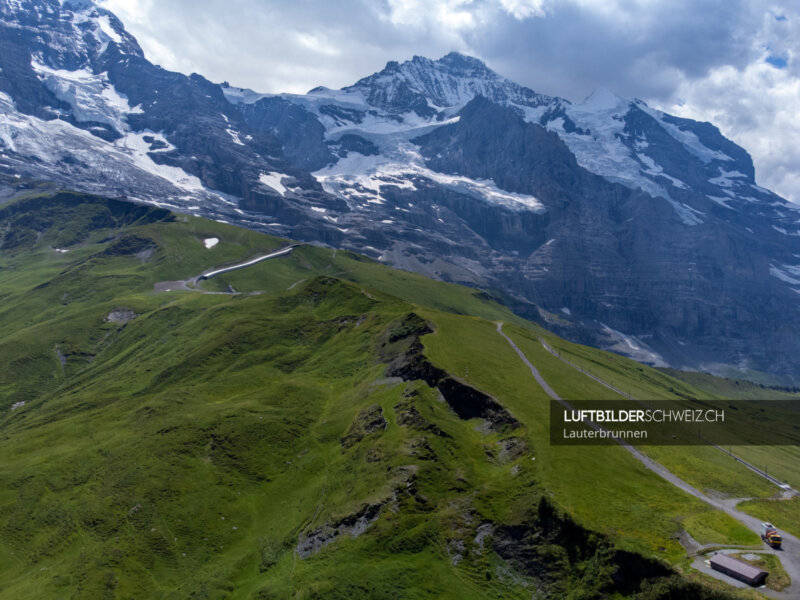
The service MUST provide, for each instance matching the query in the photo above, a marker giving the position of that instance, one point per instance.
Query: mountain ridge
(633, 200)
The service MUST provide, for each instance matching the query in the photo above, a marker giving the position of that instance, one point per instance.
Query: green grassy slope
(603, 486)
(734, 388)
(784, 515)
(252, 445)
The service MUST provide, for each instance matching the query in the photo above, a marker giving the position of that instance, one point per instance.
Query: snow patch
(785, 232)
(92, 97)
(605, 150)
(688, 215)
(531, 114)
(687, 138)
(655, 170)
(105, 25)
(273, 180)
(602, 151)
(603, 99)
(359, 179)
(236, 95)
(125, 162)
(137, 149)
(633, 347)
(234, 135)
(160, 139)
(721, 201)
(787, 273)
(726, 178)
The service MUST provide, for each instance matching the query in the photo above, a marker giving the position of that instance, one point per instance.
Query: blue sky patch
(779, 62)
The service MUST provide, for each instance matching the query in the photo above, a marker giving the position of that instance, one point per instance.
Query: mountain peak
(78, 32)
(454, 62)
(427, 86)
(458, 60)
(458, 64)
(47, 6)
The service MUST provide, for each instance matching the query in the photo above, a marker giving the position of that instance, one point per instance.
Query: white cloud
(758, 107)
(317, 43)
(524, 9)
(452, 15)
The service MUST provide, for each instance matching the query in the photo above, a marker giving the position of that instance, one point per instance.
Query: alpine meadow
(322, 345)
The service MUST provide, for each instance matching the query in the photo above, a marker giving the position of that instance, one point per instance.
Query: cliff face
(621, 258)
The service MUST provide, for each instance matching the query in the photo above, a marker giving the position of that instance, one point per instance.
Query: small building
(738, 569)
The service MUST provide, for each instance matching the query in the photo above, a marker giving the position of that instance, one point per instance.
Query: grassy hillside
(785, 515)
(735, 388)
(334, 429)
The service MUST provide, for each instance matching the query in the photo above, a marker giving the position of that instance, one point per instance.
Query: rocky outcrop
(470, 403)
(549, 544)
(407, 415)
(409, 362)
(370, 420)
(351, 525)
(121, 316)
(511, 449)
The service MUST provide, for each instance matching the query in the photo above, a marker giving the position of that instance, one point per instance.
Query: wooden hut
(737, 569)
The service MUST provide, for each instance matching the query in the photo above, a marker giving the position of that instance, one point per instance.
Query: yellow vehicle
(770, 535)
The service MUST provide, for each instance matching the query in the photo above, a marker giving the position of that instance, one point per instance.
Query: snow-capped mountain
(81, 106)
(607, 134)
(615, 223)
(428, 87)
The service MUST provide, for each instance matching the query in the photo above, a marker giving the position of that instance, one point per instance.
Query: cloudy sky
(735, 63)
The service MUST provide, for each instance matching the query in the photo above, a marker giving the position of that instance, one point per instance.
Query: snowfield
(359, 179)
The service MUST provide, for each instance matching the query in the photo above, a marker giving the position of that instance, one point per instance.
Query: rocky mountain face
(617, 224)
(84, 108)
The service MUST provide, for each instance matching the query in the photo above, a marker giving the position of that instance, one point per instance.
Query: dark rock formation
(352, 525)
(370, 420)
(411, 364)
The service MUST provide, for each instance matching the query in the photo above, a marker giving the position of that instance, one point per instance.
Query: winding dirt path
(534, 371)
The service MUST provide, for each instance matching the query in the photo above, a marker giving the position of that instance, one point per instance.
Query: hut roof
(746, 571)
